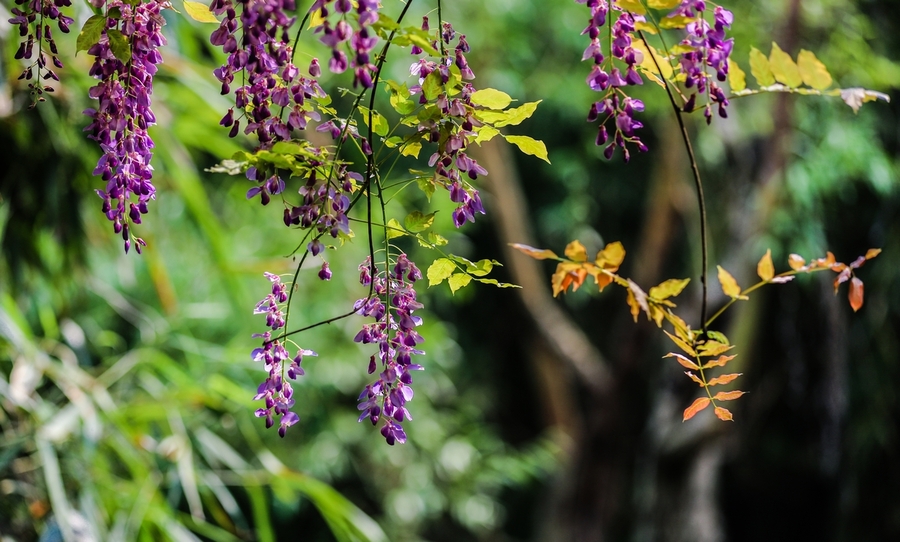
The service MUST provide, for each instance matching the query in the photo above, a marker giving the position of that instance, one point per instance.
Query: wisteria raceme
(453, 131)
(275, 390)
(33, 19)
(123, 115)
(361, 39)
(393, 331)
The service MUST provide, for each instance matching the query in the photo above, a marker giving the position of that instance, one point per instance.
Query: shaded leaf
(90, 33)
(685, 362)
(765, 268)
(416, 221)
(575, 251)
(536, 253)
(724, 379)
(491, 98)
(199, 12)
(530, 146)
(813, 72)
(783, 67)
(855, 97)
(119, 45)
(723, 414)
(728, 395)
(439, 270)
(759, 67)
(856, 294)
(458, 280)
(669, 288)
(796, 262)
(729, 284)
(737, 79)
(699, 404)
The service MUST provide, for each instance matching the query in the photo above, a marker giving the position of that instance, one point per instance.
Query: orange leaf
(724, 379)
(699, 404)
(729, 285)
(693, 377)
(728, 395)
(723, 414)
(567, 274)
(611, 256)
(719, 362)
(872, 252)
(603, 280)
(683, 361)
(856, 294)
(765, 269)
(576, 252)
(536, 253)
(796, 262)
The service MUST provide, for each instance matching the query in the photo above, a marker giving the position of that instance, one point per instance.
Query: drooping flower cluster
(257, 42)
(452, 129)
(33, 20)
(615, 108)
(275, 390)
(361, 39)
(396, 338)
(709, 48)
(125, 62)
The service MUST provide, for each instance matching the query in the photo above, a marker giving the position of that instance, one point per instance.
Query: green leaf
(530, 146)
(417, 221)
(783, 67)
(737, 79)
(394, 229)
(759, 67)
(426, 185)
(437, 240)
(119, 45)
(439, 270)
(491, 98)
(90, 33)
(199, 12)
(458, 280)
(412, 149)
(399, 99)
(432, 86)
(416, 37)
(380, 124)
(813, 72)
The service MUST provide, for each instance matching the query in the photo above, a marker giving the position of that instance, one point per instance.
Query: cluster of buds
(361, 39)
(396, 338)
(33, 20)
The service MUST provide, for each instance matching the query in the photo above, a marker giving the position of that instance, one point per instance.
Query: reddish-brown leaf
(724, 379)
(872, 252)
(683, 361)
(699, 404)
(694, 377)
(720, 362)
(536, 253)
(765, 268)
(723, 414)
(728, 395)
(796, 262)
(856, 294)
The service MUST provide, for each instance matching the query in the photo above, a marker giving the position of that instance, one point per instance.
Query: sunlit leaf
(663, 4)
(724, 379)
(530, 146)
(759, 67)
(416, 221)
(737, 79)
(783, 67)
(509, 117)
(699, 404)
(682, 330)
(611, 257)
(682, 344)
(199, 12)
(678, 21)
(765, 268)
(648, 63)
(437, 240)
(856, 294)
(316, 19)
(634, 6)
(485, 133)
(685, 362)
(872, 252)
(575, 251)
(90, 33)
(728, 395)
(723, 414)
(717, 336)
(439, 270)
(644, 26)
(669, 288)
(458, 280)
(394, 229)
(713, 348)
(695, 378)
(719, 362)
(411, 149)
(567, 274)
(536, 253)
(495, 282)
(796, 262)
(729, 284)
(432, 86)
(813, 72)
(491, 98)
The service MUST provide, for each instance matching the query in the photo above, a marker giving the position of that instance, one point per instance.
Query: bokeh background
(126, 386)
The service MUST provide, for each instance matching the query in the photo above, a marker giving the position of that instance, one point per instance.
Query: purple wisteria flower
(393, 331)
(361, 39)
(123, 115)
(275, 390)
(34, 19)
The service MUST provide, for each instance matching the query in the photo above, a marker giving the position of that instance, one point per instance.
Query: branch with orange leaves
(574, 268)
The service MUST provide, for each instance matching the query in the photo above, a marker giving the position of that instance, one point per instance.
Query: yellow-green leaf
(729, 285)
(316, 19)
(530, 146)
(576, 252)
(644, 26)
(813, 72)
(759, 67)
(485, 133)
(491, 98)
(90, 33)
(439, 270)
(663, 4)
(394, 229)
(713, 348)
(783, 67)
(458, 280)
(411, 149)
(681, 344)
(648, 64)
(737, 79)
(634, 6)
(417, 221)
(765, 268)
(669, 288)
(678, 21)
(199, 12)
